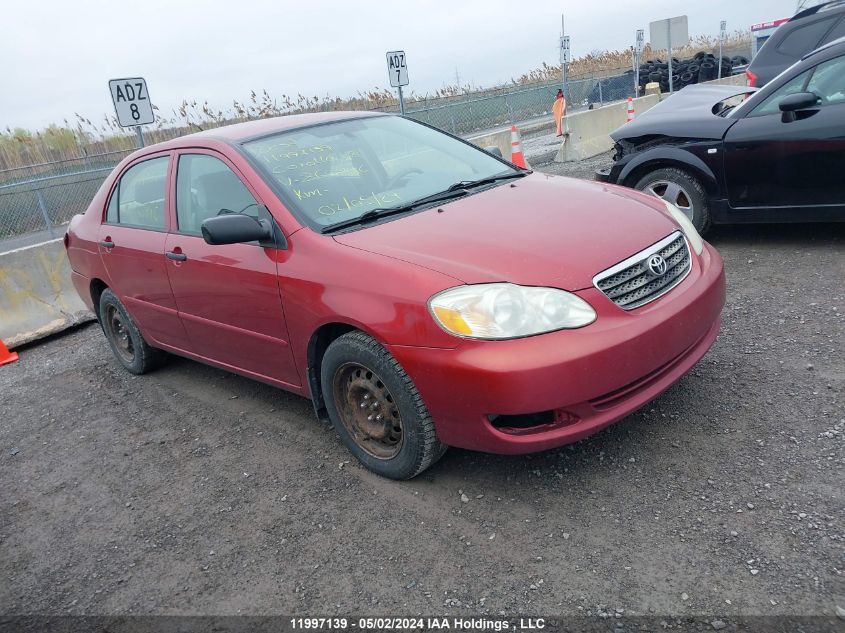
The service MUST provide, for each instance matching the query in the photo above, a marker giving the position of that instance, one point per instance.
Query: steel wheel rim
(119, 334)
(368, 411)
(672, 192)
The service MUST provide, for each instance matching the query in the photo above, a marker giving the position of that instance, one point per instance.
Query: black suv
(804, 32)
(726, 154)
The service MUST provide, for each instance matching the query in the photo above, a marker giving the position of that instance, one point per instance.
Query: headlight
(687, 227)
(502, 310)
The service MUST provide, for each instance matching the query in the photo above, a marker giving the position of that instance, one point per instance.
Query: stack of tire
(702, 67)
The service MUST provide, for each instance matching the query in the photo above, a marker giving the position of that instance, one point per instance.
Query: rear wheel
(682, 190)
(376, 409)
(129, 347)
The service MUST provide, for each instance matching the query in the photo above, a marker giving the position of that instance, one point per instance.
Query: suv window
(770, 104)
(206, 187)
(138, 199)
(805, 38)
(828, 81)
(837, 32)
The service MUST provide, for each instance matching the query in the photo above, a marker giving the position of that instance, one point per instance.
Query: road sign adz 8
(131, 101)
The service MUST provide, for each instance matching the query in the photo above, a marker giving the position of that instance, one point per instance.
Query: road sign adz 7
(397, 68)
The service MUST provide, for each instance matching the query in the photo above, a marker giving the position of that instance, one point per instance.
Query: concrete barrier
(37, 297)
(501, 137)
(589, 130)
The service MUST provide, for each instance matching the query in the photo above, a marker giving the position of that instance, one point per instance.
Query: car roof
(239, 132)
(826, 6)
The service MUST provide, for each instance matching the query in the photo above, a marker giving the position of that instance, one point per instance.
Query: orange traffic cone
(6, 356)
(631, 114)
(517, 157)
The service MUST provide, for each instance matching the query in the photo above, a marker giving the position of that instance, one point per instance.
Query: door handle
(178, 257)
(107, 244)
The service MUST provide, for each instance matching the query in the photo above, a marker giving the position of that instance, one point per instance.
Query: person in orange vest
(559, 111)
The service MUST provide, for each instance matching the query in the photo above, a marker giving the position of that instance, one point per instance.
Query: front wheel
(681, 189)
(376, 409)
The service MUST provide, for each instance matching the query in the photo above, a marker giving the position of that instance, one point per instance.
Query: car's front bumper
(590, 377)
(603, 175)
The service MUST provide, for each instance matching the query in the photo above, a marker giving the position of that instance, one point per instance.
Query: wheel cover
(118, 332)
(672, 192)
(368, 411)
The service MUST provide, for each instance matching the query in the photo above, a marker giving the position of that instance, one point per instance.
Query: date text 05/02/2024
(416, 624)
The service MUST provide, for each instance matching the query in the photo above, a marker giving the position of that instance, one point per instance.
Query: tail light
(752, 78)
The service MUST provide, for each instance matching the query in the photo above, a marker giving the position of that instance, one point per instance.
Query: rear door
(131, 244)
(774, 162)
(228, 296)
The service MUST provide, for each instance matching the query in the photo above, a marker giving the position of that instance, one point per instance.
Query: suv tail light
(752, 78)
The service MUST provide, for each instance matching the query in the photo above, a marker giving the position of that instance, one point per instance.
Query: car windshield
(333, 173)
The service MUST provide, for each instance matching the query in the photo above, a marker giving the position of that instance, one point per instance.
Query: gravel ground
(193, 491)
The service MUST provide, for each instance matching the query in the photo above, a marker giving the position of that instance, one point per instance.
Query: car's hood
(544, 231)
(687, 113)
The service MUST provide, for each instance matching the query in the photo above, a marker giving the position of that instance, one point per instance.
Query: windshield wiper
(376, 214)
(465, 184)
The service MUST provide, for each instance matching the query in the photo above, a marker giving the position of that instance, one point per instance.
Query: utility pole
(669, 40)
(638, 51)
(722, 27)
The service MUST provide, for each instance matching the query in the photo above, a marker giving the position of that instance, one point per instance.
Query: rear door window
(138, 199)
(837, 32)
(805, 38)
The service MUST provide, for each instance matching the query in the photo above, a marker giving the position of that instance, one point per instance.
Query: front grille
(631, 283)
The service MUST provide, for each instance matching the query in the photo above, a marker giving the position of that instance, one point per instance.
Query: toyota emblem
(657, 265)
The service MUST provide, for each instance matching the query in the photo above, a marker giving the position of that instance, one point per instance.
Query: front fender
(665, 156)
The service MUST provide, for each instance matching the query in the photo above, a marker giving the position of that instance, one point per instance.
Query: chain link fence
(471, 113)
(36, 201)
(44, 204)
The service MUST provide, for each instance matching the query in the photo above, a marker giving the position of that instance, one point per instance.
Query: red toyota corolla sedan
(423, 293)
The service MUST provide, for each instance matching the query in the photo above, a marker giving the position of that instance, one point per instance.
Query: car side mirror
(793, 104)
(492, 149)
(798, 101)
(235, 228)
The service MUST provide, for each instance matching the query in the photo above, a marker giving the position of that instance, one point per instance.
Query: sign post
(668, 33)
(564, 55)
(132, 104)
(638, 51)
(722, 27)
(397, 71)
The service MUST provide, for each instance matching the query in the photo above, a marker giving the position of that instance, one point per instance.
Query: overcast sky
(57, 56)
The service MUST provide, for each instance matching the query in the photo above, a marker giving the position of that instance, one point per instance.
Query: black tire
(693, 192)
(707, 72)
(353, 367)
(127, 344)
